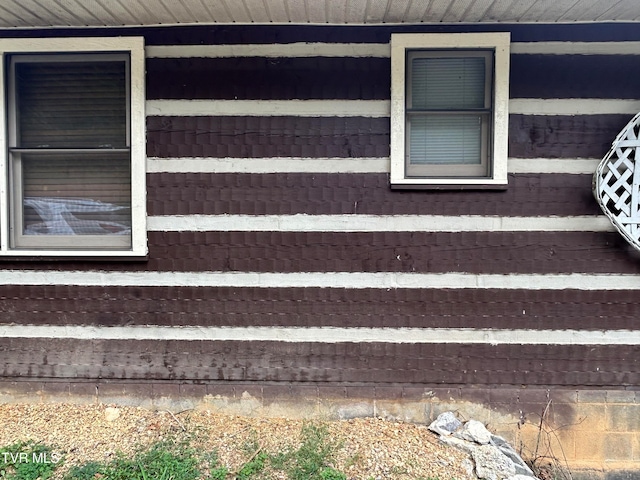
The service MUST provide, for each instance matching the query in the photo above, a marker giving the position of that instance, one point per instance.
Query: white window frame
(498, 43)
(134, 48)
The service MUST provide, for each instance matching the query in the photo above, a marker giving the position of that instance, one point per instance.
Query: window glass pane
(80, 104)
(448, 83)
(76, 194)
(445, 139)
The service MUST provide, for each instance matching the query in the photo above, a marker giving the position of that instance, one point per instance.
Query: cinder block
(621, 396)
(308, 393)
(389, 393)
(623, 418)
(83, 392)
(622, 475)
(534, 395)
(446, 394)
(504, 396)
(20, 388)
(55, 391)
(165, 390)
(590, 417)
(193, 391)
(592, 396)
(618, 447)
(587, 475)
(413, 412)
(217, 390)
(548, 443)
(636, 447)
(417, 393)
(272, 393)
(563, 413)
(590, 446)
(126, 394)
(559, 396)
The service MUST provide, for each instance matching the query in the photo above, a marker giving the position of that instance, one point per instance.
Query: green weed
(311, 461)
(162, 461)
(28, 461)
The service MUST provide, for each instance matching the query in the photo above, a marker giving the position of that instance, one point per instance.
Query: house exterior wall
(280, 260)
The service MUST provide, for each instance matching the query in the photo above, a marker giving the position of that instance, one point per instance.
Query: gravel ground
(371, 448)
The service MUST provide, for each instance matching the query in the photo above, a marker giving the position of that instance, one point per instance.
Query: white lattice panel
(616, 183)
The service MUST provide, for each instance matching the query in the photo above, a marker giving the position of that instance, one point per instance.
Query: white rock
(474, 431)
(445, 424)
(111, 413)
(491, 464)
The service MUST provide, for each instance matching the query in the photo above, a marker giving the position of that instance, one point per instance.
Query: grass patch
(28, 461)
(165, 460)
(178, 459)
(312, 460)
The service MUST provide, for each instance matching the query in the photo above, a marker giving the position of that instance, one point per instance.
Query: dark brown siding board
(563, 136)
(314, 362)
(530, 136)
(574, 76)
(434, 252)
(537, 252)
(317, 307)
(243, 78)
(248, 78)
(533, 194)
(249, 137)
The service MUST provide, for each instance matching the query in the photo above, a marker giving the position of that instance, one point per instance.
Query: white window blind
(70, 151)
(448, 113)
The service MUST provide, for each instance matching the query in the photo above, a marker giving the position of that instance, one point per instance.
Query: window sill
(67, 255)
(449, 184)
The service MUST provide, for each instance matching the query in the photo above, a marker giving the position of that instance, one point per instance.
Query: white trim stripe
(372, 108)
(344, 165)
(380, 50)
(576, 48)
(329, 335)
(575, 166)
(268, 108)
(347, 280)
(269, 165)
(572, 106)
(299, 49)
(375, 223)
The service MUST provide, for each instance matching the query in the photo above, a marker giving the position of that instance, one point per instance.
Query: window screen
(70, 151)
(448, 113)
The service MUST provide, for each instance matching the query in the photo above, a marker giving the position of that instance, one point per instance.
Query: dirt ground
(370, 448)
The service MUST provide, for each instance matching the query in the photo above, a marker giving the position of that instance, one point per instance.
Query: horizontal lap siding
(255, 78)
(269, 78)
(316, 194)
(417, 252)
(309, 362)
(531, 136)
(317, 307)
(250, 137)
(574, 76)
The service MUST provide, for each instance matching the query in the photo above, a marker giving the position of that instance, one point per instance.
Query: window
(73, 179)
(449, 110)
